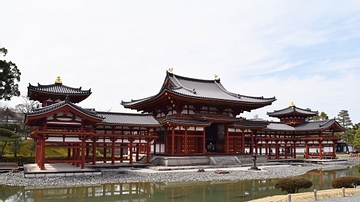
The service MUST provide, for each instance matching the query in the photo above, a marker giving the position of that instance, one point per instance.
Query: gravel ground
(342, 199)
(151, 175)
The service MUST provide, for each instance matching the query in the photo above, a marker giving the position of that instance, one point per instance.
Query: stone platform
(57, 170)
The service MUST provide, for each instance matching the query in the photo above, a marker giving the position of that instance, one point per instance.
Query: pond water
(180, 191)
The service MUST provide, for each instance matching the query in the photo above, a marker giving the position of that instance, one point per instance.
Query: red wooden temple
(188, 117)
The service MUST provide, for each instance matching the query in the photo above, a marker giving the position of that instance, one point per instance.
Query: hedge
(293, 184)
(347, 182)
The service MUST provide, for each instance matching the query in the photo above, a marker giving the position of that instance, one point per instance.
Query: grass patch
(309, 196)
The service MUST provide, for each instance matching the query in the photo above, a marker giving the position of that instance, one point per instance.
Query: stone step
(225, 160)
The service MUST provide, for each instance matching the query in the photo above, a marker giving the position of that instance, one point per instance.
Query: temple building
(187, 117)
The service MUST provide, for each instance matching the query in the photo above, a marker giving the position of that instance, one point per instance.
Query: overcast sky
(307, 52)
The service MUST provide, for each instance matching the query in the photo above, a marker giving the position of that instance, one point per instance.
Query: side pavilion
(88, 135)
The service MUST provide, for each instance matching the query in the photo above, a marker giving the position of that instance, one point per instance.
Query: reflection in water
(173, 192)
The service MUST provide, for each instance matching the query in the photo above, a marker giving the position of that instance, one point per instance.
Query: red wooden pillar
(186, 141)
(204, 141)
(69, 152)
(131, 149)
(294, 154)
(148, 145)
(78, 146)
(42, 160)
(226, 139)
(73, 154)
(172, 141)
(242, 141)
(94, 151)
(252, 143)
(87, 150)
(113, 140)
(83, 152)
(306, 150)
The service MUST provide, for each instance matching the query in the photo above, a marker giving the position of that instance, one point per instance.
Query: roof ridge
(55, 85)
(124, 113)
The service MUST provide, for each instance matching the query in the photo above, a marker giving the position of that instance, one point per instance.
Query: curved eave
(129, 125)
(292, 111)
(250, 125)
(38, 92)
(32, 118)
(218, 119)
(163, 95)
(179, 122)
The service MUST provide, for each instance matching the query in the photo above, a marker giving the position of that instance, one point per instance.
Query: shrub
(347, 182)
(293, 184)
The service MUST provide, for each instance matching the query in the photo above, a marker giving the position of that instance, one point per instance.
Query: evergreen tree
(356, 142)
(344, 120)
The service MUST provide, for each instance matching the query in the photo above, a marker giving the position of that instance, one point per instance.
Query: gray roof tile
(59, 89)
(128, 119)
(292, 110)
(204, 89)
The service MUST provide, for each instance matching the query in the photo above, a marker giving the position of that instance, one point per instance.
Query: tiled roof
(217, 118)
(46, 109)
(58, 89)
(203, 89)
(248, 123)
(307, 126)
(276, 126)
(318, 125)
(186, 122)
(292, 110)
(128, 119)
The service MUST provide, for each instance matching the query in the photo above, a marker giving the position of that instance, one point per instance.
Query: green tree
(9, 75)
(15, 144)
(5, 136)
(293, 184)
(321, 116)
(344, 120)
(356, 142)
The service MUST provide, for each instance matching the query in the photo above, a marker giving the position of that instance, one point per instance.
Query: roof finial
(292, 104)
(216, 76)
(171, 69)
(58, 80)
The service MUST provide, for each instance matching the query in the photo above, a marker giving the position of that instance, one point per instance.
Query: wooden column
(226, 139)
(242, 141)
(294, 149)
(113, 140)
(252, 143)
(94, 151)
(42, 166)
(131, 146)
(148, 140)
(172, 141)
(306, 150)
(204, 140)
(186, 141)
(83, 152)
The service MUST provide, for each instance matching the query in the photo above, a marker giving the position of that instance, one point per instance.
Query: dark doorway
(215, 138)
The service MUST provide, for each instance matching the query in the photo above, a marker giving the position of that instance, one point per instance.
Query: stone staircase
(224, 160)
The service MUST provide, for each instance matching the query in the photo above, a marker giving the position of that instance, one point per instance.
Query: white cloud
(301, 51)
